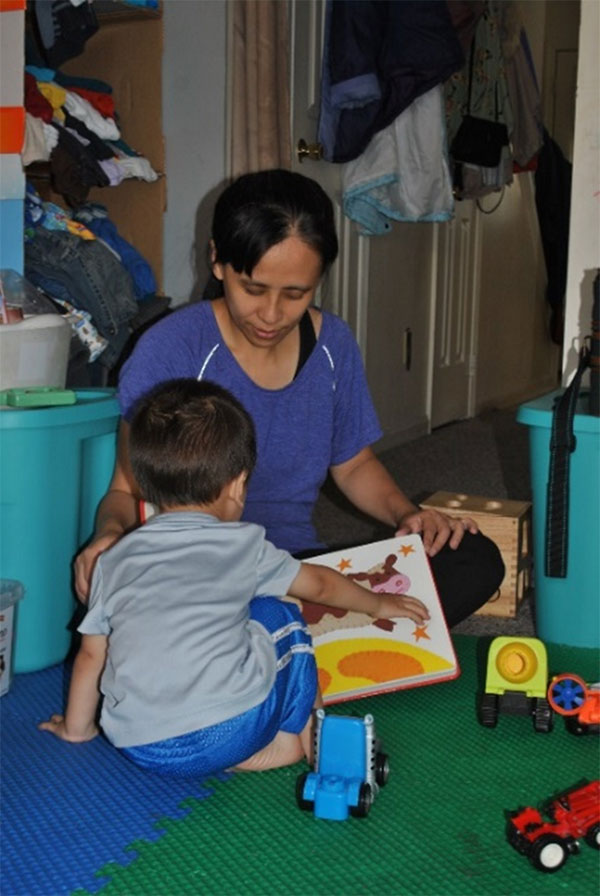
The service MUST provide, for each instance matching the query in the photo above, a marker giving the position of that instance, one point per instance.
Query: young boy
(200, 668)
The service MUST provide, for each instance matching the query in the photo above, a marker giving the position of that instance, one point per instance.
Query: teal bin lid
(539, 412)
(90, 404)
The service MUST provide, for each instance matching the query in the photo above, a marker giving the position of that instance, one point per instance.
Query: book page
(357, 655)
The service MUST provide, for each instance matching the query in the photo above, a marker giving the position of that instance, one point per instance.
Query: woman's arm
(117, 513)
(79, 722)
(367, 484)
(322, 585)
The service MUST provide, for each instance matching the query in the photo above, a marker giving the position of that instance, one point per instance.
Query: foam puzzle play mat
(81, 819)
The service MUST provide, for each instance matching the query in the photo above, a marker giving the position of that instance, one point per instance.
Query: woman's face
(268, 304)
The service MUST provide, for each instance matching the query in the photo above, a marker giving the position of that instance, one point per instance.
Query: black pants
(466, 577)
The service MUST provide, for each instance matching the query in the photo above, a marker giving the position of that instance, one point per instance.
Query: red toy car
(548, 844)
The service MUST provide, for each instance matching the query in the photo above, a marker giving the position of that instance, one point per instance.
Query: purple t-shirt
(324, 416)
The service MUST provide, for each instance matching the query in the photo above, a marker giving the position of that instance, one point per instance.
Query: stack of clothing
(71, 123)
(98, 279)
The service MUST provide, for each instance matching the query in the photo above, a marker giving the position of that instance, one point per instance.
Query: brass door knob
(306, 150)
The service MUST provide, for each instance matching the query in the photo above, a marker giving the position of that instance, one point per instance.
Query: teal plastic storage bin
(55, 465)
(567, 610)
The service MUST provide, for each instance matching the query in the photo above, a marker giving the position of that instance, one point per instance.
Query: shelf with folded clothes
(106, 289)
(121, 65)
(114, 10)
(121, 10)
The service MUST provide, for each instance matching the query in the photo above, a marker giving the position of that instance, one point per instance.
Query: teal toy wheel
(567, 694)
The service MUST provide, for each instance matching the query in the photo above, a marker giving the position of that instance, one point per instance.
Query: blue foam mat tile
(70, 809)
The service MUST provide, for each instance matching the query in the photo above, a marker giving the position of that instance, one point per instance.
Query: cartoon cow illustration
(383, 577)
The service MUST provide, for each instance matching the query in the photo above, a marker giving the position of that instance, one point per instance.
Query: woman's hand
(436, 529)
(85, 562)
(56, 725)
(393, 605)
(117, 514)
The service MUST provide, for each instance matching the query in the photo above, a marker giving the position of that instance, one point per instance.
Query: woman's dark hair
(188, 440)
(259, 210)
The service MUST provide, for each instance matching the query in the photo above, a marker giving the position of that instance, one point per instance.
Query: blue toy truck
(349, 768)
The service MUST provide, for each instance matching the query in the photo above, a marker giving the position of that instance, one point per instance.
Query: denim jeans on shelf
(87, 274)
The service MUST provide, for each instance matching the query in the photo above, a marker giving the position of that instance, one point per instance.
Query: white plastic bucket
(34, 352)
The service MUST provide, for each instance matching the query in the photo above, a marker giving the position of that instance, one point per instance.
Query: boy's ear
(237, 489)
(216, 266)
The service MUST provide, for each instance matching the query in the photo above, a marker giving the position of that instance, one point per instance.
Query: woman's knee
(468, 576)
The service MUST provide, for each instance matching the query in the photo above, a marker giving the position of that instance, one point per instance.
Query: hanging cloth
(403, 174)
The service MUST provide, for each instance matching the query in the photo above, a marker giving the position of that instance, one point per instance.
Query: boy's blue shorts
(287, 708)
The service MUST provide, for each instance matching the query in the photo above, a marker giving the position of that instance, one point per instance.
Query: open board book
(358, 656)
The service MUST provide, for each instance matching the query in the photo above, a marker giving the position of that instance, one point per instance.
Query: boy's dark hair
(188, 440)
(261, 209)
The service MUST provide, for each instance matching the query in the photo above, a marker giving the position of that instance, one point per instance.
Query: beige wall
(584, 237)
(516, 357)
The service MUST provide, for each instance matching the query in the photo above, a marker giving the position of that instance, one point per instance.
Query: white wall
(194, 82)
(584, 233)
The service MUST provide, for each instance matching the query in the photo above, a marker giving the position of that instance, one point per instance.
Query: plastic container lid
(91, 404)
(539, 412)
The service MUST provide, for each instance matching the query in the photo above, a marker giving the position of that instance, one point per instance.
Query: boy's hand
(391, 605)
(56, 725)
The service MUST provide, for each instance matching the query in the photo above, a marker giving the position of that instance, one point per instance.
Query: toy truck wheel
(488, 710)
(382, 769)
(574, 726)
(566, 694)
(542, 716)
(306, 805)
(548, 853)
(365, 801)
(592, 836)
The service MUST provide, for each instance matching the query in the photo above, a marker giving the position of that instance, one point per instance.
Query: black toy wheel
(574, 726)
(542, 716)
(592, 836)
(488, 710)
(382, 769)
(365, 801)
(548, 853)
(306, 805)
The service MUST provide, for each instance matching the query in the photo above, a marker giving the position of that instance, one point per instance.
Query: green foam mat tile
(438, 827)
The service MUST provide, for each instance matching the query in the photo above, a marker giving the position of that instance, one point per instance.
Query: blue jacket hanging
(379, 55)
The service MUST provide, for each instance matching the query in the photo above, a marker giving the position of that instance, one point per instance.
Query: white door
(457, 253)
(345, 291)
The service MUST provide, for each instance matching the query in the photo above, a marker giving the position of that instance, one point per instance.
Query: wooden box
(508, 523)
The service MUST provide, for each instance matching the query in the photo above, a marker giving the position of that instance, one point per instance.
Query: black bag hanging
(562, 445)
(479, 141)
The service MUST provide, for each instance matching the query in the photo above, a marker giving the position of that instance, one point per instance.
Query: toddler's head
(188, 440)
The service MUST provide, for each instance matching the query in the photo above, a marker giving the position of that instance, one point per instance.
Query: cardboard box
(508, 524)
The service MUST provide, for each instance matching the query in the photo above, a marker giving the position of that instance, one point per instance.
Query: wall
(584, 236)
(194, 88)
(516, 357)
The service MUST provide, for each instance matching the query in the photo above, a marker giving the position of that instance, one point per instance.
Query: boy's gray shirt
(172, 597)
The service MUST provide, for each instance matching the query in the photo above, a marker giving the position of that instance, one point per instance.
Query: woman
(298, 372)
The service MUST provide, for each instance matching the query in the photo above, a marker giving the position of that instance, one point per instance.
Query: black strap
(308, 340)
(562, 444)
